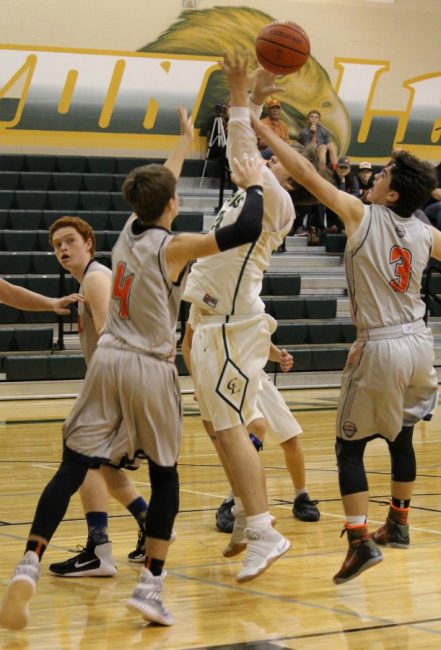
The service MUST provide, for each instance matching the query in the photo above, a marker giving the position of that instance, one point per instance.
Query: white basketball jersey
(147, 324)
(230, 282)
(86, 326)
(385, 259)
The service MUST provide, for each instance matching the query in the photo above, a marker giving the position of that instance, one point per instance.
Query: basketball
(282, 47)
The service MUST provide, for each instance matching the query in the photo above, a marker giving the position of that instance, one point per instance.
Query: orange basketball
(282, 47)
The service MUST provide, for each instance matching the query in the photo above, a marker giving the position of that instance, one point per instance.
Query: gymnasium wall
(105, 77)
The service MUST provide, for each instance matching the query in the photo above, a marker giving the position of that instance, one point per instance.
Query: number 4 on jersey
(122, 286)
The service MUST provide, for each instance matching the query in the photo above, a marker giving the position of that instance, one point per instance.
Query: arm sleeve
(248, 226)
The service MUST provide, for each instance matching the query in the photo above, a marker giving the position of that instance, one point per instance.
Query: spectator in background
(346, 181)
(276, 124)
(433, 208)
(365, 179)
(316, 134)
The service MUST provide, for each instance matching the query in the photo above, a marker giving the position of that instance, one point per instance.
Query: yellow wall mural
(72, 99)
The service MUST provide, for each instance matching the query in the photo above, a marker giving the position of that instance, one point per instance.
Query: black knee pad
(164, 501)
(402, 457)
(351, 472)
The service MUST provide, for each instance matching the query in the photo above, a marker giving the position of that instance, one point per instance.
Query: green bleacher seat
(10, 314)
(118, 202)
(325, 333)
(12, 162)
(43, 241)
(39, 317)
(349, 332)
(4, 219)
(36, 181)
(66, 366)
(33, 339)
(27, 200)
(26, 368)
(117, 220)
(7, 340)
(67, 182)
(9, 180)
(302, 360)
(49, 216)
(111, 239)
(125, 165)
(71, 164)
(48, 285)
(101, 165)
(100, 240)
(19, 240)
(98, 182)
(6, 199)
(335, 243)
(24, 219)
(95, 200)
(98, 220)
(320, 308)
(179, 361)
(44, 263)
(15, 262)
(281, 285)
(328, 359)
(188, 222)
(290, 334)
(287, 309)
(118, 180)
(41, 163)
(63, 201)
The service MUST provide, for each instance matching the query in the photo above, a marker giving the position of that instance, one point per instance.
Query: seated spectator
(433, 208)
(276, 124)
(365, 178)
(316, 134)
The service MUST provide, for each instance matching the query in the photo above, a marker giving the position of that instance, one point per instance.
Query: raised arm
(22, 298)
(176, 159)
(349, 208)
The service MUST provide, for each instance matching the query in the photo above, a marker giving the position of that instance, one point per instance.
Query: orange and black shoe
(395, 531)
(362, 554)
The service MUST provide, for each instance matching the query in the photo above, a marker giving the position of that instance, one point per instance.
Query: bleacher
(304, 288)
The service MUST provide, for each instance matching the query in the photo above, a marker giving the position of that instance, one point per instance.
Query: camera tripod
(217, 138)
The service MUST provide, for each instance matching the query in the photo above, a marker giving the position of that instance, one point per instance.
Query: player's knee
(351, 472)
(258, 428)
(403, 460)
(164, 502)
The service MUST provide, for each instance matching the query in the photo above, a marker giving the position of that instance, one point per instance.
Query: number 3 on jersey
(401, 258)
(122, 286)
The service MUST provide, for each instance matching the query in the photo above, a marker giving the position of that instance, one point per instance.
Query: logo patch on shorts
(232, 386)
(349, 429)
(209, 300)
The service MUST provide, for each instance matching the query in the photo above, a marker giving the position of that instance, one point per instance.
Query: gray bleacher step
(300, 262)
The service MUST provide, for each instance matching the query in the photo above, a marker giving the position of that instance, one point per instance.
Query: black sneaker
(362, 554)
(305, 509)
(92, 561)
(138, 555)
(225, 517)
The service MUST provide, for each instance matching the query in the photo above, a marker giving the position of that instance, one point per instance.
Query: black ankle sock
(38, 547)
(400, 503)
(138, 508)
(154, 565)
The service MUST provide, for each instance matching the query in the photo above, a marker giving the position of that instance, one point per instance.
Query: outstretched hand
(185, 123)
(61, 305)
(235, 69)
(263, 84)
(248, 171)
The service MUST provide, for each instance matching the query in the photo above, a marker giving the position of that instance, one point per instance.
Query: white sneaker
(14, 610)
(146, 599)
(264, 547)
(238, 542)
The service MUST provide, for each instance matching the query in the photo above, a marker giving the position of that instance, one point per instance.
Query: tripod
(217, 138)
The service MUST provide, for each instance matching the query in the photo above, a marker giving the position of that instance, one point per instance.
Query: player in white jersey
(389, 382)
(132, 377)
(21, 298)
(232, 337)
(73, 241)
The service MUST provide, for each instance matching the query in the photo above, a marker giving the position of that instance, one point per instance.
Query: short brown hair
(148, 189)
(81, 226)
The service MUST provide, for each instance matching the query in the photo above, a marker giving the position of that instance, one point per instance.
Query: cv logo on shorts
(232, 386)
(349, 429)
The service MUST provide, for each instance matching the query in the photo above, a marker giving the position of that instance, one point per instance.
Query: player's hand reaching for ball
(185, 123)
(248, 171)
(235, 68)
(263, 84)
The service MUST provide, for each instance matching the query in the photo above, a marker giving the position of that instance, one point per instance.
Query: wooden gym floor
(293, 605)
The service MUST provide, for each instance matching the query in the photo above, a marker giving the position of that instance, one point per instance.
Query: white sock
(356, 520)
(301, 491)
(260, 522)
(238, 506)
